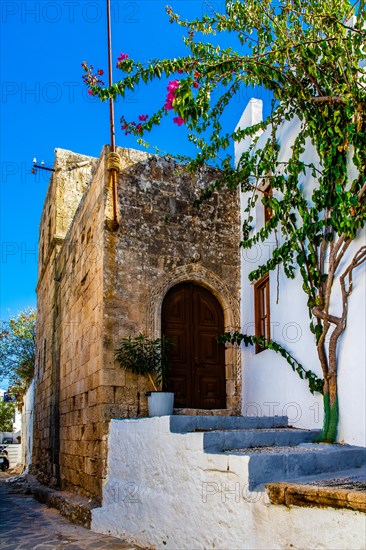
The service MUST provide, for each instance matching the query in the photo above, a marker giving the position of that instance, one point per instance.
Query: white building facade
(270, 386)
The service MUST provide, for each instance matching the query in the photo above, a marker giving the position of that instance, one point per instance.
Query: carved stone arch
(230, 305)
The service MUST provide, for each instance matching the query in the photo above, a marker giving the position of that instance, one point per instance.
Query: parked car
(7, 440)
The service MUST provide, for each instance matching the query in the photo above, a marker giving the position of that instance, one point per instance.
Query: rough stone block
(105, 394)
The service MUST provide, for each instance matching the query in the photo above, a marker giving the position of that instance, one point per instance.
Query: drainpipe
(114, 168)
(113, 159)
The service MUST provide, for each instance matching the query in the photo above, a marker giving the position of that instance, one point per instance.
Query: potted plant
(150, 358)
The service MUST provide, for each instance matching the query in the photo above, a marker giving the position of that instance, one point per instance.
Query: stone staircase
(198, 481)
(275, 451)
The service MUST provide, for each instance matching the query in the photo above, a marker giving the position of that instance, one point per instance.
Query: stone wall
(162, 241)
(98, 285)
(79, 276)
(71, 176)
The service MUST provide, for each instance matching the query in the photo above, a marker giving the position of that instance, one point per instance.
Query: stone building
(117, 264)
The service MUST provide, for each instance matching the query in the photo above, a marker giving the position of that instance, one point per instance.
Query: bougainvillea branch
(309, 56)
(236, 338)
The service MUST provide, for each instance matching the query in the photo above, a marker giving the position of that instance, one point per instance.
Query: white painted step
(183, 423)
(228, 440)
(269, 464)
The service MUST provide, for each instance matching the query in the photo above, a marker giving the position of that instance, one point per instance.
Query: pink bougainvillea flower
(122, 57)
(143, 117)
(90, 78)
(178, 120)
(173, 85)
(169, 102)
(180, 71)
(196, 85)
(90, 92)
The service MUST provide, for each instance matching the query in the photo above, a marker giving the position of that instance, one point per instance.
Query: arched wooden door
(193, 318)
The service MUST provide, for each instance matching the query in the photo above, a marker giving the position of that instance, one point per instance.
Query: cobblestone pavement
(27, 524)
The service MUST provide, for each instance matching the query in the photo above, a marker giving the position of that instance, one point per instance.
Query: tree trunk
(330, 399)
(331, 396)
(328, 364)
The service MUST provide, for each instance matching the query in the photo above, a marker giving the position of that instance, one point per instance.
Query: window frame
(261, 305)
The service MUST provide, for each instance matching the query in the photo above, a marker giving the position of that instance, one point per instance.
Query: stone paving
(25, 524)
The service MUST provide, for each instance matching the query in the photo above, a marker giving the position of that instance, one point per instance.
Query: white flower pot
(160, 403)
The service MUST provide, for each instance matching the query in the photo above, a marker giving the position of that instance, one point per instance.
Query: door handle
(199, 365)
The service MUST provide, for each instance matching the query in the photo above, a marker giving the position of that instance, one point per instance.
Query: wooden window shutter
(262, 310)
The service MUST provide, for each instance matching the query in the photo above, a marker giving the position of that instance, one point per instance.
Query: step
(225, 440)
(332, 478)
(188, 423)
(270, 464)
(342, 489)
(203, 412)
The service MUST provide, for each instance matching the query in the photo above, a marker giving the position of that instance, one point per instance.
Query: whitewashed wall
(27, 426)
(17, 424)
(269, 384)
(163, 490)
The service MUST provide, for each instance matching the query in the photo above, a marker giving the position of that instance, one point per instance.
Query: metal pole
(113, 172)
(111, 104)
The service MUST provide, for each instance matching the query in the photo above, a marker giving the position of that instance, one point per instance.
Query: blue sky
(44, 105)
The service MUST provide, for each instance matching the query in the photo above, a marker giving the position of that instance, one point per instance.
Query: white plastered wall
(27, 426)
(164, 491)
(269, 385)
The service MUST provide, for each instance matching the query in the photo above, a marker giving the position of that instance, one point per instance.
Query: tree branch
(327, 99)
(319, 314)
(357, 260)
